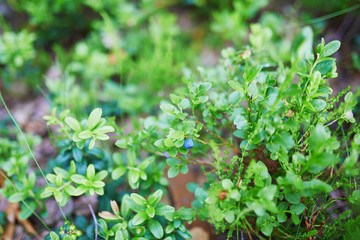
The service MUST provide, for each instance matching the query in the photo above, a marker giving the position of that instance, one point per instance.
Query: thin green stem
(330, 123)
(346, 145)
(331, 15)
(24, 137)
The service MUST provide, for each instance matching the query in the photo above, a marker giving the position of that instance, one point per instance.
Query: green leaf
(102, 137)
(98, 184)
(267, 228)
(240, 134)
(292, 197)
(268, 192)
(234, 97)
(58, 196)
(27, 211)
(131, 157)
(86, 134)
(77, 153)
(155, 197)
(100, 175)
(173, 172)
(205, 86)
(187, 214)
(16, 197)
(348, 97)
(150, 211)
(71, 190)
(90, 172)
(280, 140)
(229, 216)
(314, 82)
(295, 219)
(184, 168)
(357, 139)
(330, 48)
(161, 210)
(201, 195)
(227, 184)
(281, 216)
(298, 208)
(241, 122)
(236, 86)
(77, 178)
(319, 135)
(283, 206)
(126, 204)
(253, 90)
(316, 186)
(133, 177)
(318, 104)
(185, 103)
(138, 199)
(168, 108)
(185, 234)
(119, 235)
(302, 45)
(54, 236)
(252, 73)
(324, 67)
(104, 129)
(46, 193)
(169, 229)
(73, 124)
(156, 229)
(172, 162)
(175, 98)
(94, 118)
(118, 172)
(320, 161)
(121, 143)
(139, 218)
(146, 162)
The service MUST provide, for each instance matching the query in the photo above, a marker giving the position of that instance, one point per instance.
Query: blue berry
(188, 143)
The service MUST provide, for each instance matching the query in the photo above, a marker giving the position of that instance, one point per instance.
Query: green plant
(274, 155)
(272, 139)
(16, 53)
(20, 184)
(226, 20)
(145, 219)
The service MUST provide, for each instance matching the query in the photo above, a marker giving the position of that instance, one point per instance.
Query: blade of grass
(331, 15)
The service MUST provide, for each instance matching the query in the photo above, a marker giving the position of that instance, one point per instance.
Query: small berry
(72, 227)
(188, 143)
(78, 233)
(166, 154)
(73, 237)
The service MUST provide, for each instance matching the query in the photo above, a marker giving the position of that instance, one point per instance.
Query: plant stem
(95, 221)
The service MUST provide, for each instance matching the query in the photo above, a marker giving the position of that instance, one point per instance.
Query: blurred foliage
(112, 65)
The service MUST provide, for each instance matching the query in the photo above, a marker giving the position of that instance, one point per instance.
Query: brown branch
(319, 230)
(247, 230)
